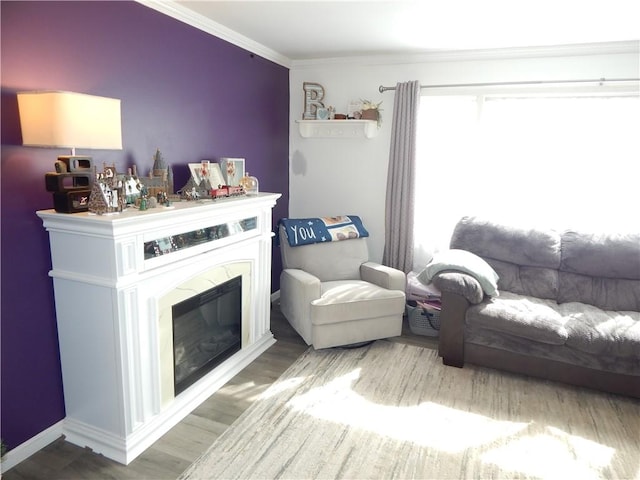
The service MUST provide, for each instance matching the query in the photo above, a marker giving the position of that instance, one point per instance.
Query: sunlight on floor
(249, 391)
(283, 385)
(427, 424)
(513, 446)
(565, 456)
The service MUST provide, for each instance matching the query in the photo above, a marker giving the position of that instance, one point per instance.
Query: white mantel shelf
(338, 128)
(110, 299)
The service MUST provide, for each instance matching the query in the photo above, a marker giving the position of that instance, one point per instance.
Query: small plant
(371, 111)
(369, 105)
(3, 448)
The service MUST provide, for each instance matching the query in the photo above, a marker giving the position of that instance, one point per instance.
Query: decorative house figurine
(160, 179)
(107, 193)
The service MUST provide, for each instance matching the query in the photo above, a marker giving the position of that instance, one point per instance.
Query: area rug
(391, 410)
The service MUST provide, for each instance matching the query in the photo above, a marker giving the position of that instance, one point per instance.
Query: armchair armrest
(383, 276)
(461, 284)
(297, 290)
(300, 286)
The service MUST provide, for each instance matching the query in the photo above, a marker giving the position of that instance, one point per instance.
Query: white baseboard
(275, 296)
(31, 446)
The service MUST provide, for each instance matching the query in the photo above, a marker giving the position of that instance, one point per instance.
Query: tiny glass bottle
(250, 184)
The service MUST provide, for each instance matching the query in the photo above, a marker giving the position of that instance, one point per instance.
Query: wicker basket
(424, 320)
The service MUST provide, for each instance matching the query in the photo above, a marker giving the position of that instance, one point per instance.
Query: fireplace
(206, 331)
(123, 387)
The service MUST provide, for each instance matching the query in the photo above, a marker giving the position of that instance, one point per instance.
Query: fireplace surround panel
(200, 283)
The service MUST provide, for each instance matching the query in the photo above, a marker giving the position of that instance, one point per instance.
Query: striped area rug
(391, 410)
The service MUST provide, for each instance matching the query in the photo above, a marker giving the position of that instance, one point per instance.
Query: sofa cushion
(605, 293)
(600, 269)
(601, 255)
(354, 300)
(538, 282)
(508, 242)
(560, 353)
(602, 332)
(522, 316)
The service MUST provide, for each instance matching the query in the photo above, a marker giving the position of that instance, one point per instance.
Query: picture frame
(232, 170)
(213, 173)
(196, 172)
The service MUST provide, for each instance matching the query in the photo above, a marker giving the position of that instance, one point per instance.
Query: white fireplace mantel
(108, 297)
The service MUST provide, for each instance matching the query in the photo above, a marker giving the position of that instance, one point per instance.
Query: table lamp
(57, 119)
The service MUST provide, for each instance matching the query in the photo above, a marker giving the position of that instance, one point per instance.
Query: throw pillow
(466, 262)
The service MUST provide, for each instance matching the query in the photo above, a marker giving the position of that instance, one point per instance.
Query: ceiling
(307, 29)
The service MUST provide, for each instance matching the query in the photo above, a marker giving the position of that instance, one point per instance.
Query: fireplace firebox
(207, 329)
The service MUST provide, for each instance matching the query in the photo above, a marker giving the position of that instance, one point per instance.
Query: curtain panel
(399, 203)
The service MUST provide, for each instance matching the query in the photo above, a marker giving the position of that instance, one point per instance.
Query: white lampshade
(71, 120)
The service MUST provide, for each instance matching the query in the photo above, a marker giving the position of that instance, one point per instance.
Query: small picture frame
(232, 170)
(206, 170)
(215, 174)
(354, 109)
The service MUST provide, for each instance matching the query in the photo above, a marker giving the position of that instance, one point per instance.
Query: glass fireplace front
(206, 331)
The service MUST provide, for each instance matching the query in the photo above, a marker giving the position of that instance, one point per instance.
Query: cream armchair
(333, 296)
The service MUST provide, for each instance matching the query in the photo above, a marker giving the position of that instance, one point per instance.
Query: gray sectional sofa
(567, 306)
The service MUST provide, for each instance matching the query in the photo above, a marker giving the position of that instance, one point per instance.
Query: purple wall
(183, 91)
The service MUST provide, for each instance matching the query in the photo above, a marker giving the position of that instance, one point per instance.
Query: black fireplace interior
(206, 331)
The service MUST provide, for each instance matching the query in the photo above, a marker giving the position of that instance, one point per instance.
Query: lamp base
(72, 201)
(62, 182)
(74, 163)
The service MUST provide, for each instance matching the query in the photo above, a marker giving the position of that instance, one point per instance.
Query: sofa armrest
(461, 284)
(383, 276)
(451, 338)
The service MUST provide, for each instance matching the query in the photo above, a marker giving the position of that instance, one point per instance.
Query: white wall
(348, 176)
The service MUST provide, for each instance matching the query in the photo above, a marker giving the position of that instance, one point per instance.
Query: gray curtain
(398, 247)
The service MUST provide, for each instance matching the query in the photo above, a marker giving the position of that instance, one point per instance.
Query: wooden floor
(168, 457)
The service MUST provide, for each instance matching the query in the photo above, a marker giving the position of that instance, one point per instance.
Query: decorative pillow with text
(304, 231)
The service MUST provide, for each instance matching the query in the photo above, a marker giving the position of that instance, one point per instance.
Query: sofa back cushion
(601, 269)
(526, 259)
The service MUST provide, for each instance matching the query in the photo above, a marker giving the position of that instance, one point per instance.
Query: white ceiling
(308, 29)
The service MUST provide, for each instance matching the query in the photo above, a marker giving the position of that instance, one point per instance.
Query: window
(563, 162)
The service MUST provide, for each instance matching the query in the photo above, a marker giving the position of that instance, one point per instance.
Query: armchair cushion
(327, 261)
(347, 300)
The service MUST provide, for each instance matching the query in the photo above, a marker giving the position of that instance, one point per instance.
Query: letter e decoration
(313, 94)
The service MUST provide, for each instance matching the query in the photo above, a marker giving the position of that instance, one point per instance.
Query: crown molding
(175, 10)
(609, 48)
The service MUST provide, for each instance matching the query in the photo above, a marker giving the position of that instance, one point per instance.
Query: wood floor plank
(170, 455)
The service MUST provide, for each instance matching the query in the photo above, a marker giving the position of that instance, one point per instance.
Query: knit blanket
(304, 231)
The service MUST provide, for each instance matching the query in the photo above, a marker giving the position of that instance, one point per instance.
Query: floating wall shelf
(338, 128)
